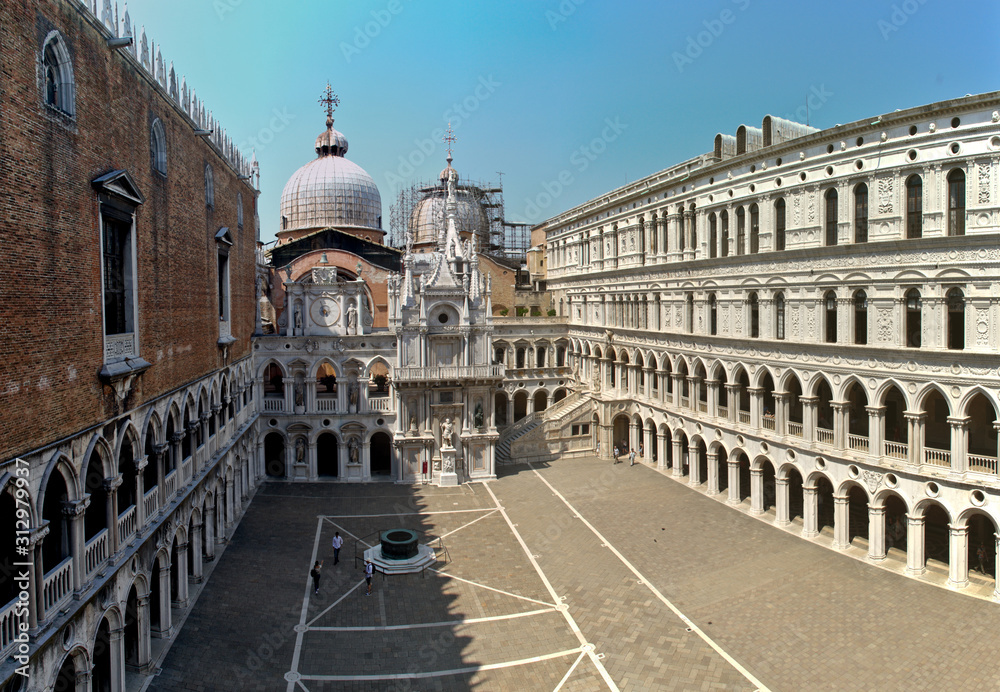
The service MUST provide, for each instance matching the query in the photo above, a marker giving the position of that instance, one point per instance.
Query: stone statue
(353, 450)
(298, 320)
(299, 396)
(352, 320)
(478, 415)
(300, 451)
(413, 423)
(447, 432)
(352, 394)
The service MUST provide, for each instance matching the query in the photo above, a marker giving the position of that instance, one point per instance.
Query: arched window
(158, 147)
(689, 312)
(239, 210)
(779, 316)
(713, 235)
(779, 224)
(956, 319)
(754, 229)
(713, 315)
(209, 187)
(914, 207)
(724, 216)
(680, 228)
(860, 317)
(913, 322)
(694, 227)
(861, 213)
(830, 309)
(754, 305)
(58, 74)
(741, 231)
(956, 202)
(831, 217)
(273, 380)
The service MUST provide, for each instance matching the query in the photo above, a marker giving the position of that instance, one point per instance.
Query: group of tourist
(631, 454)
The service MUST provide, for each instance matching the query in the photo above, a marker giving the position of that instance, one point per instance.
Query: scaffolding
(419, 209)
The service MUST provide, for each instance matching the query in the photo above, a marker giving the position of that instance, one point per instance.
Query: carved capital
(75, 508)
(112, 484)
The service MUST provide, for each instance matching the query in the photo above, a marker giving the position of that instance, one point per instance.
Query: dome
(330, 191)
(427, 217)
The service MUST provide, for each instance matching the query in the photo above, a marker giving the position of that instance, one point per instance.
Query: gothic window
(914, 207)
(831, 217)
(713, 315)
(956, 319)
(779, 316)
(861, 213)
(520, 358)
(956, 202)
(754, 229)
(712, 235)
(239, 210)
(273, 381)
(119, 280)
(830, 309)
(913, 322)
(860, 317)
(779, 224)
(158, 147)
(741, 232)
(58, 75)
(540, 357)
(754, 305)
(209, 187)
(724, 216)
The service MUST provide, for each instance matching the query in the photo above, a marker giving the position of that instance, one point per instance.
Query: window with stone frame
(779, 316)
(831, 217)
(209, 187)
(956, 202)
(59, 90)
(779, 224)
(119, 282)
(914, 207)
(861, 213)
(158, 147)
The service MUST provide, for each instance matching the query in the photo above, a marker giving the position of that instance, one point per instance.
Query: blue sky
(568, 98)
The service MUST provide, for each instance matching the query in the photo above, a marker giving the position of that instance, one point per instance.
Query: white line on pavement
(445, 623)
(490, 588)
(694, 628)
(305, 607)
(404, 514)
(570, 671)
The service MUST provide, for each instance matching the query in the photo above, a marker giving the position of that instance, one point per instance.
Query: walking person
(616, 454)
(315, 573)
(641, 455)
(369, 571)
(338, 543)
(631, 457)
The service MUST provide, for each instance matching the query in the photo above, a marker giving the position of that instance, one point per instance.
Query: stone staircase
(530, 431)
(514, 432)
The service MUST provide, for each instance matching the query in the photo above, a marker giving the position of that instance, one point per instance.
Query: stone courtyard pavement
(577, 575)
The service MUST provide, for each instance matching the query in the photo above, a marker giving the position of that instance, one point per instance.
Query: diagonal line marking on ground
(300, 631)
(570, 671)
(469, 524)
(445, 623)
(490, 588)
(332, 605)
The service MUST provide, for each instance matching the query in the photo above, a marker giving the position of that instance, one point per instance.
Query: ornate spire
(449, 139)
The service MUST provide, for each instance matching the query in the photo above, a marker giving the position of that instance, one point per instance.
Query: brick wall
(50, 291)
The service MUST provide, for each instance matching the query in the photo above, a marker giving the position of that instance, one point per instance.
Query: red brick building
(128, 304)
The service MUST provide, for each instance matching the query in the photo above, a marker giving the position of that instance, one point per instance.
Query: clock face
(325, 312)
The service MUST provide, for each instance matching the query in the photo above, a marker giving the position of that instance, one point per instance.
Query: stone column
(713, 397)
(756, 402)
(915, 436)
(661, 446)
(366, 459)
(733, 468)
(876, 421)
(733, 402)
(648, 375)
(166, 628)
(959, 443)
(689, 230)
(159, 454)
(809, 417)
(841, 521)
(197, 573)
(111, 488)
(694, 391)
(958, 556)
(810, 519)
(756, 491)
(209, 520)
(206, 452)
(713, 473)
(915, 561)
(74, 510)
(145, 654)
(116, 641)
(694, 465)
(781, 413)
(840, 409)
(677, 467)
(181, 597)
(678, 388)
(781, 501)
(876, 533)
(36, 577)
(996, 568)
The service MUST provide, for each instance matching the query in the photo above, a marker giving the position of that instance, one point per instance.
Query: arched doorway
(767, 487)
(274, 455)
(380, 449)
(558, 396)
(824, 504)
(500, 409)
(541, 400)
(794, 495)
(982, 545)
(936, 538)
(327, 462)
(857, 514)
(100, 679)
(619, 434)
(722, 469)
(702, 463)
(66, 679)
(56, 546)
(133, 649)
(744, 465)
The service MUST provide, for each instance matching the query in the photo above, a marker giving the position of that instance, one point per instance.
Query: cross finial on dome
(330, 100)
(449, 139)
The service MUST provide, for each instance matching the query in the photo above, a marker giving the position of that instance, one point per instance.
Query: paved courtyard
(577, 575)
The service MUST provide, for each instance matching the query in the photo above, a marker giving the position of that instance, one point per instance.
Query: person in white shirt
(369, 571)
(338, 543)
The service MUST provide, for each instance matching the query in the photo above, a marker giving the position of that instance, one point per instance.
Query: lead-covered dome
(330, 191)
(427, 217)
